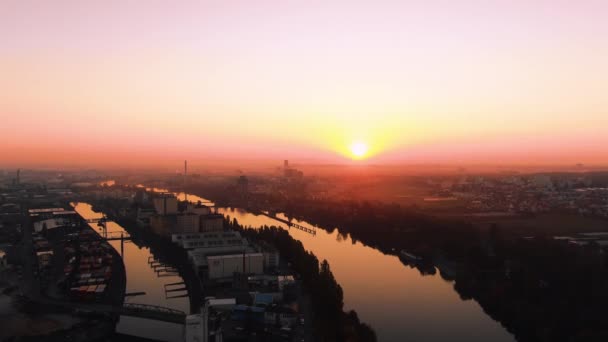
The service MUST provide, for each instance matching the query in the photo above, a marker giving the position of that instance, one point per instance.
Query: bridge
(121, 236)
(153, 312)
(312, 231)
(158, 313)
(110, 236)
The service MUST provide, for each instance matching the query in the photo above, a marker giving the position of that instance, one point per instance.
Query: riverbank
(170, 254)
(143, 279)
(399, 302)
(163, 250)
(551, 296)
(54, 314)
(330, 322)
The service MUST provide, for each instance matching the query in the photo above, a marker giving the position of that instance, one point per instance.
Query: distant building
(212, 223)
(165, 204)
(144, 215)
(198, 209)
(542, 181)
(140, 197)
(283, 315)
(271, 255)
(164, 224)
(243, 186)
(52, 218)
(188, 223)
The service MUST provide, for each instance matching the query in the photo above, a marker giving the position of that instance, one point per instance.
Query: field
(550, 223)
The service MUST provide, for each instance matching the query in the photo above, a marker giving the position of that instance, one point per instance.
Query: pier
(312, 231)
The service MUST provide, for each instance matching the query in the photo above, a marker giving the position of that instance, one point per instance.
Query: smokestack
(185, 179)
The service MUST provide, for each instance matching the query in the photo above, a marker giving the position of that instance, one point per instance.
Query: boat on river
(409, 257)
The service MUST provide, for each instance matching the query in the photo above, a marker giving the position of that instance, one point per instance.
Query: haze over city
(303, 171)
(415, 82)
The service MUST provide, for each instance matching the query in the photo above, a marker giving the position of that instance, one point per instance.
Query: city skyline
(498, 82)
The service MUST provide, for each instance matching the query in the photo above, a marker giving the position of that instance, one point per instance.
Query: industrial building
(51, 218)
(210, 240)
(165, 204)
(198, 209)
(211, 223)
(224, 266)
(271, 255)
(144, 215)
(168, 218)
(188, 223)
(163, 224)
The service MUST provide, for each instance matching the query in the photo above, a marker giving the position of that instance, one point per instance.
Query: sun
(358, 149)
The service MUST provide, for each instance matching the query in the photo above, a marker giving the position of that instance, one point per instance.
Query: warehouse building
(224, 266)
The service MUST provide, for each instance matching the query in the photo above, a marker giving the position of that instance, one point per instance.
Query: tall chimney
(185, 179)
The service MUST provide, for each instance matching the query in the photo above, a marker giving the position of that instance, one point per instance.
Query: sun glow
(358, 149)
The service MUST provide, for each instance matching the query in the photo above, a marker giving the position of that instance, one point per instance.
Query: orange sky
(106, 83)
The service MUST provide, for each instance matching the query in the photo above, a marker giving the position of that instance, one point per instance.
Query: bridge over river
(154, 312)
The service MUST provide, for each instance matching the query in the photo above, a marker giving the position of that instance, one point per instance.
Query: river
(141, 277)
(397, 301)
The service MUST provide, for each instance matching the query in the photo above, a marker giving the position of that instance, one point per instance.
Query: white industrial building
(199, 256)
(197, 325)
(53, 218)
(224, 266)
(209, 240)
(195, 329)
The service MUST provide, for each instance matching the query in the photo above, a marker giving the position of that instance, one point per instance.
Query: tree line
(330, 321)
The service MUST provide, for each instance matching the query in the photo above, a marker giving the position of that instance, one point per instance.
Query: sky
(143, 82)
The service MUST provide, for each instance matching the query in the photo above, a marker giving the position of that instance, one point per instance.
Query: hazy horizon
(462, 83)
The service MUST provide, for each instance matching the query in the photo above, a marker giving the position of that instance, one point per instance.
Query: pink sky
(418, 81)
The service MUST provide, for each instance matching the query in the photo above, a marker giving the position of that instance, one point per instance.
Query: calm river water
(397, 301)
(141, 277)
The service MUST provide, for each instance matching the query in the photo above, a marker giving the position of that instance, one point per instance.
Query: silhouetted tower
(18, 179)
(185, 179)
(243, 186)
(286, 164)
